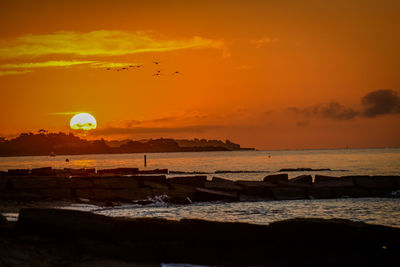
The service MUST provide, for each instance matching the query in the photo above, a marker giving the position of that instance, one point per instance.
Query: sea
(245, 165)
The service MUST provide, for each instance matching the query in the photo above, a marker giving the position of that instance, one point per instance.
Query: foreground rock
(48, 237)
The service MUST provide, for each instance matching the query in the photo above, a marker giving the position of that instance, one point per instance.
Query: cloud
(13, 72)
(375, 103)
(98, 43)
(380, 102)
(332, 110)
(264, 41)
(302, 123)
(45, 64)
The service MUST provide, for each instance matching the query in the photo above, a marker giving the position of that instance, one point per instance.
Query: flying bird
(176, 72)
(156, 62)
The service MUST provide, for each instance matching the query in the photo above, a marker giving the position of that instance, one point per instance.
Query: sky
(265, 74)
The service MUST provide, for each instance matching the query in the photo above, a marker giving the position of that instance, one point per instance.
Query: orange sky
(265, 74)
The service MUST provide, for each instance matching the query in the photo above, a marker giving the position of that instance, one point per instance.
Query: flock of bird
(131, 67)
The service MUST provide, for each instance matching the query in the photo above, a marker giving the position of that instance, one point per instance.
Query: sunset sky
(265, 74)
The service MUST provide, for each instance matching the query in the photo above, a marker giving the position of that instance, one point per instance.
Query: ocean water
(252, 164)
(246, 165)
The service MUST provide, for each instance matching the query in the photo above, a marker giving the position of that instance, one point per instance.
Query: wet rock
(323, 178)
(34, 182)
(160, 179)
(18, 172)
(301, 180)
(156, 171)
(256, 188)
(195, 181)
(321, 192)
(114, 194)
(203, 194)
(76, 172)
(115, 182)
(289, 193)
(45, 171)
(119, 171)
(389, 182)
(76, 182)
(61, 173)
(222, 184)
(353, 191)
(337, 182)
(282, 178)
(56, 193)
(303, 170)
(63, 222)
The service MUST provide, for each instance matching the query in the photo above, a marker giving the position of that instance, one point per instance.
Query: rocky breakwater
(132, 185)
(53, 237)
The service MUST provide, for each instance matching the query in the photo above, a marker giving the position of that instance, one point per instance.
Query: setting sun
(83, 121)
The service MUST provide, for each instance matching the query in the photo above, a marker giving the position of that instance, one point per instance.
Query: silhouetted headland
(43, 144)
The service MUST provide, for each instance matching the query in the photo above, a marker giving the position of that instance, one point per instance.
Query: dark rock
(56, 193)
(322, 178)
(389, 182)
(76, 172)
(63, 222)
(76, 182)
(277, 178)
(156, 171)
(3, 173)
(301, 180)
(115, 182)
(114, 194)
(18, 172)
(203, 194)
(285, 193)
(61, 173)
(160, 179)
(303, 170)
(119, 171)
(45, 171)
(195, 181)
(222, 184)
(337, 182)
(34, 182)
(321, 192)
(347, 191)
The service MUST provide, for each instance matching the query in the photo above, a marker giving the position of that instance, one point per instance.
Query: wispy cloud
(13, 72)
(45, 64)
(154, 130)
(264, 41)
(98, 43)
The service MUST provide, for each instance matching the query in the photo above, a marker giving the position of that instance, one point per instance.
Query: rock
(76, 172)
(303, 170)
(277, 178)
(5, 183)
(61, 173)
(321, 192)
(195, 181)
(18, 172)
(156, 171)
(301, 180)
(389, 182)
(63, 222)
(115, 182)
(353, 191)
(160, 179)
(45, 171)
(119, 171)
(76, 182)
(322, 178)
(34, 182)
(289, 193)
(120, 194)
(56, 193)
(336, 182)
(203, 194)
(222, 184)
(256, 188)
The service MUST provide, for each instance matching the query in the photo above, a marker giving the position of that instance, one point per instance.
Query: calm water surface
(257, 164)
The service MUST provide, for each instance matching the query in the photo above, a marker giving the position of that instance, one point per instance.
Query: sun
(83, 121)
